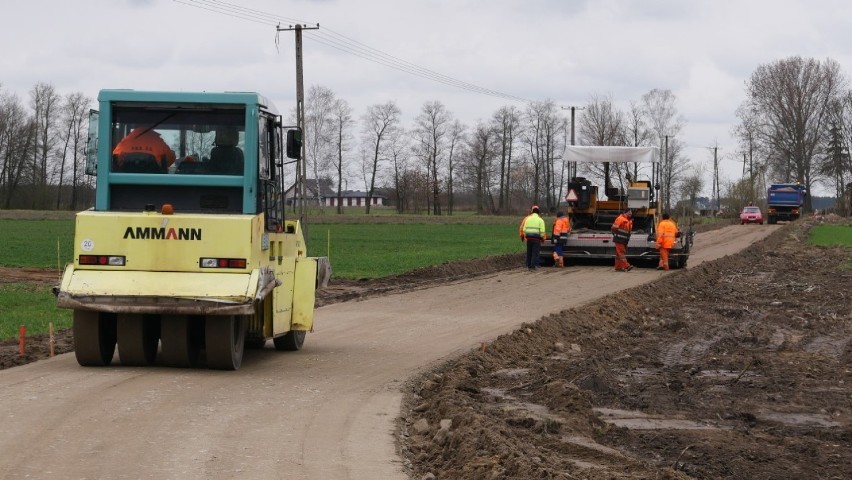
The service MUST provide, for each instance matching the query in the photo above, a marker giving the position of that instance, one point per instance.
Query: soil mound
(738, 368)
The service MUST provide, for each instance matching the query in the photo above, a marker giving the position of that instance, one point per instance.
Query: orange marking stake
(22, 339)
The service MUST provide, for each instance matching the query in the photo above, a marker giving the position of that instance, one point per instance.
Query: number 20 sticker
(87, 245)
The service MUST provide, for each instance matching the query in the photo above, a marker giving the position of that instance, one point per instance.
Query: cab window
(178, 140)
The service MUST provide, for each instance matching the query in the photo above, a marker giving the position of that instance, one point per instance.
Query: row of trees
(504, 163)
(42, 149)
(795, 125)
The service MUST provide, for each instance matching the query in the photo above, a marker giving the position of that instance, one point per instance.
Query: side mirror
(294, 144)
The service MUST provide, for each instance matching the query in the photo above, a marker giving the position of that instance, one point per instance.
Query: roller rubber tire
(138, 339)
(94, 338)
(181, 340)
(225, 337)
(291, 342)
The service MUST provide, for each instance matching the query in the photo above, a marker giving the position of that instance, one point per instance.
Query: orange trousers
(621, 257)
(664, 258)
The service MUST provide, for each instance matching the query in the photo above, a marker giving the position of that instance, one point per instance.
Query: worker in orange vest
(666, 234)
(142, 151)
(561, 227)
(621, 228)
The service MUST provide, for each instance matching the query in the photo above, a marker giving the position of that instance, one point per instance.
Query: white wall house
(321, 193)
(355, 198)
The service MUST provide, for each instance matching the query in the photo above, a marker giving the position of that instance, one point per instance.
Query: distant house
(317, 192)
(703, 207)
(321, 193)
(706, 208)
(355, 198)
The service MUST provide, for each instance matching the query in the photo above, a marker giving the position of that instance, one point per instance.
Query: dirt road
(325, 412)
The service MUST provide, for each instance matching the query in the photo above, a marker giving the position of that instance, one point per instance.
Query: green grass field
(358, 246)
(36, 243)
(831, 235)
(378, 250)
(33, 306)
(357, 249)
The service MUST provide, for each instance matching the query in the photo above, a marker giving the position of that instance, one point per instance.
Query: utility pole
(572, 169)
(301, 167)
(716, 180)
(659, 170)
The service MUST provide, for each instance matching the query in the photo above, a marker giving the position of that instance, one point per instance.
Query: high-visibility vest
(623, 223)
(533, 227)
(561, 226)
(666, 233)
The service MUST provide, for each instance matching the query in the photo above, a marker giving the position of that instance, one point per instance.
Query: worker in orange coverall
(666, 234)
(143, 151)
(621, 228)
(561, 227)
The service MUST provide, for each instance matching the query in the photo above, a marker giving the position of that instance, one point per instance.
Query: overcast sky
(563, 50)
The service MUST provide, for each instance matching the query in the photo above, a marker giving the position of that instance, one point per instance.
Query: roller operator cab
(591, 212)
(186, 257)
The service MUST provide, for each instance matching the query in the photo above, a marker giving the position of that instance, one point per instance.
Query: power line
(338, 41)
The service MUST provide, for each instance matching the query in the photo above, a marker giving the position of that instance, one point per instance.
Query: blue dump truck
(784, 201)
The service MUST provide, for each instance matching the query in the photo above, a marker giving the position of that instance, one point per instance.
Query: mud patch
(737, 368)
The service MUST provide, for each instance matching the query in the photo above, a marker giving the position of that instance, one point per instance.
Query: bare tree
(541, 137)
(45, 102)
(792, 99)
(380, 122)
(691, 187)
(835, 166)
(319, 130)
(482, 150)
(604, 125)
(341, 120)
(636, 131)
(72, 136)
(738, 194)
(402, 181)
(746, 132)
(456, 136)
(661, 111)
(17, 145)
(672, 171)
(430, 132)
(506, 122)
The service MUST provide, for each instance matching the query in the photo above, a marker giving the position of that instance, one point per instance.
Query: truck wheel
(679, 261)
(291, 342)
(138, 339)
(94, 338)
(225, 337)
(181, 337)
